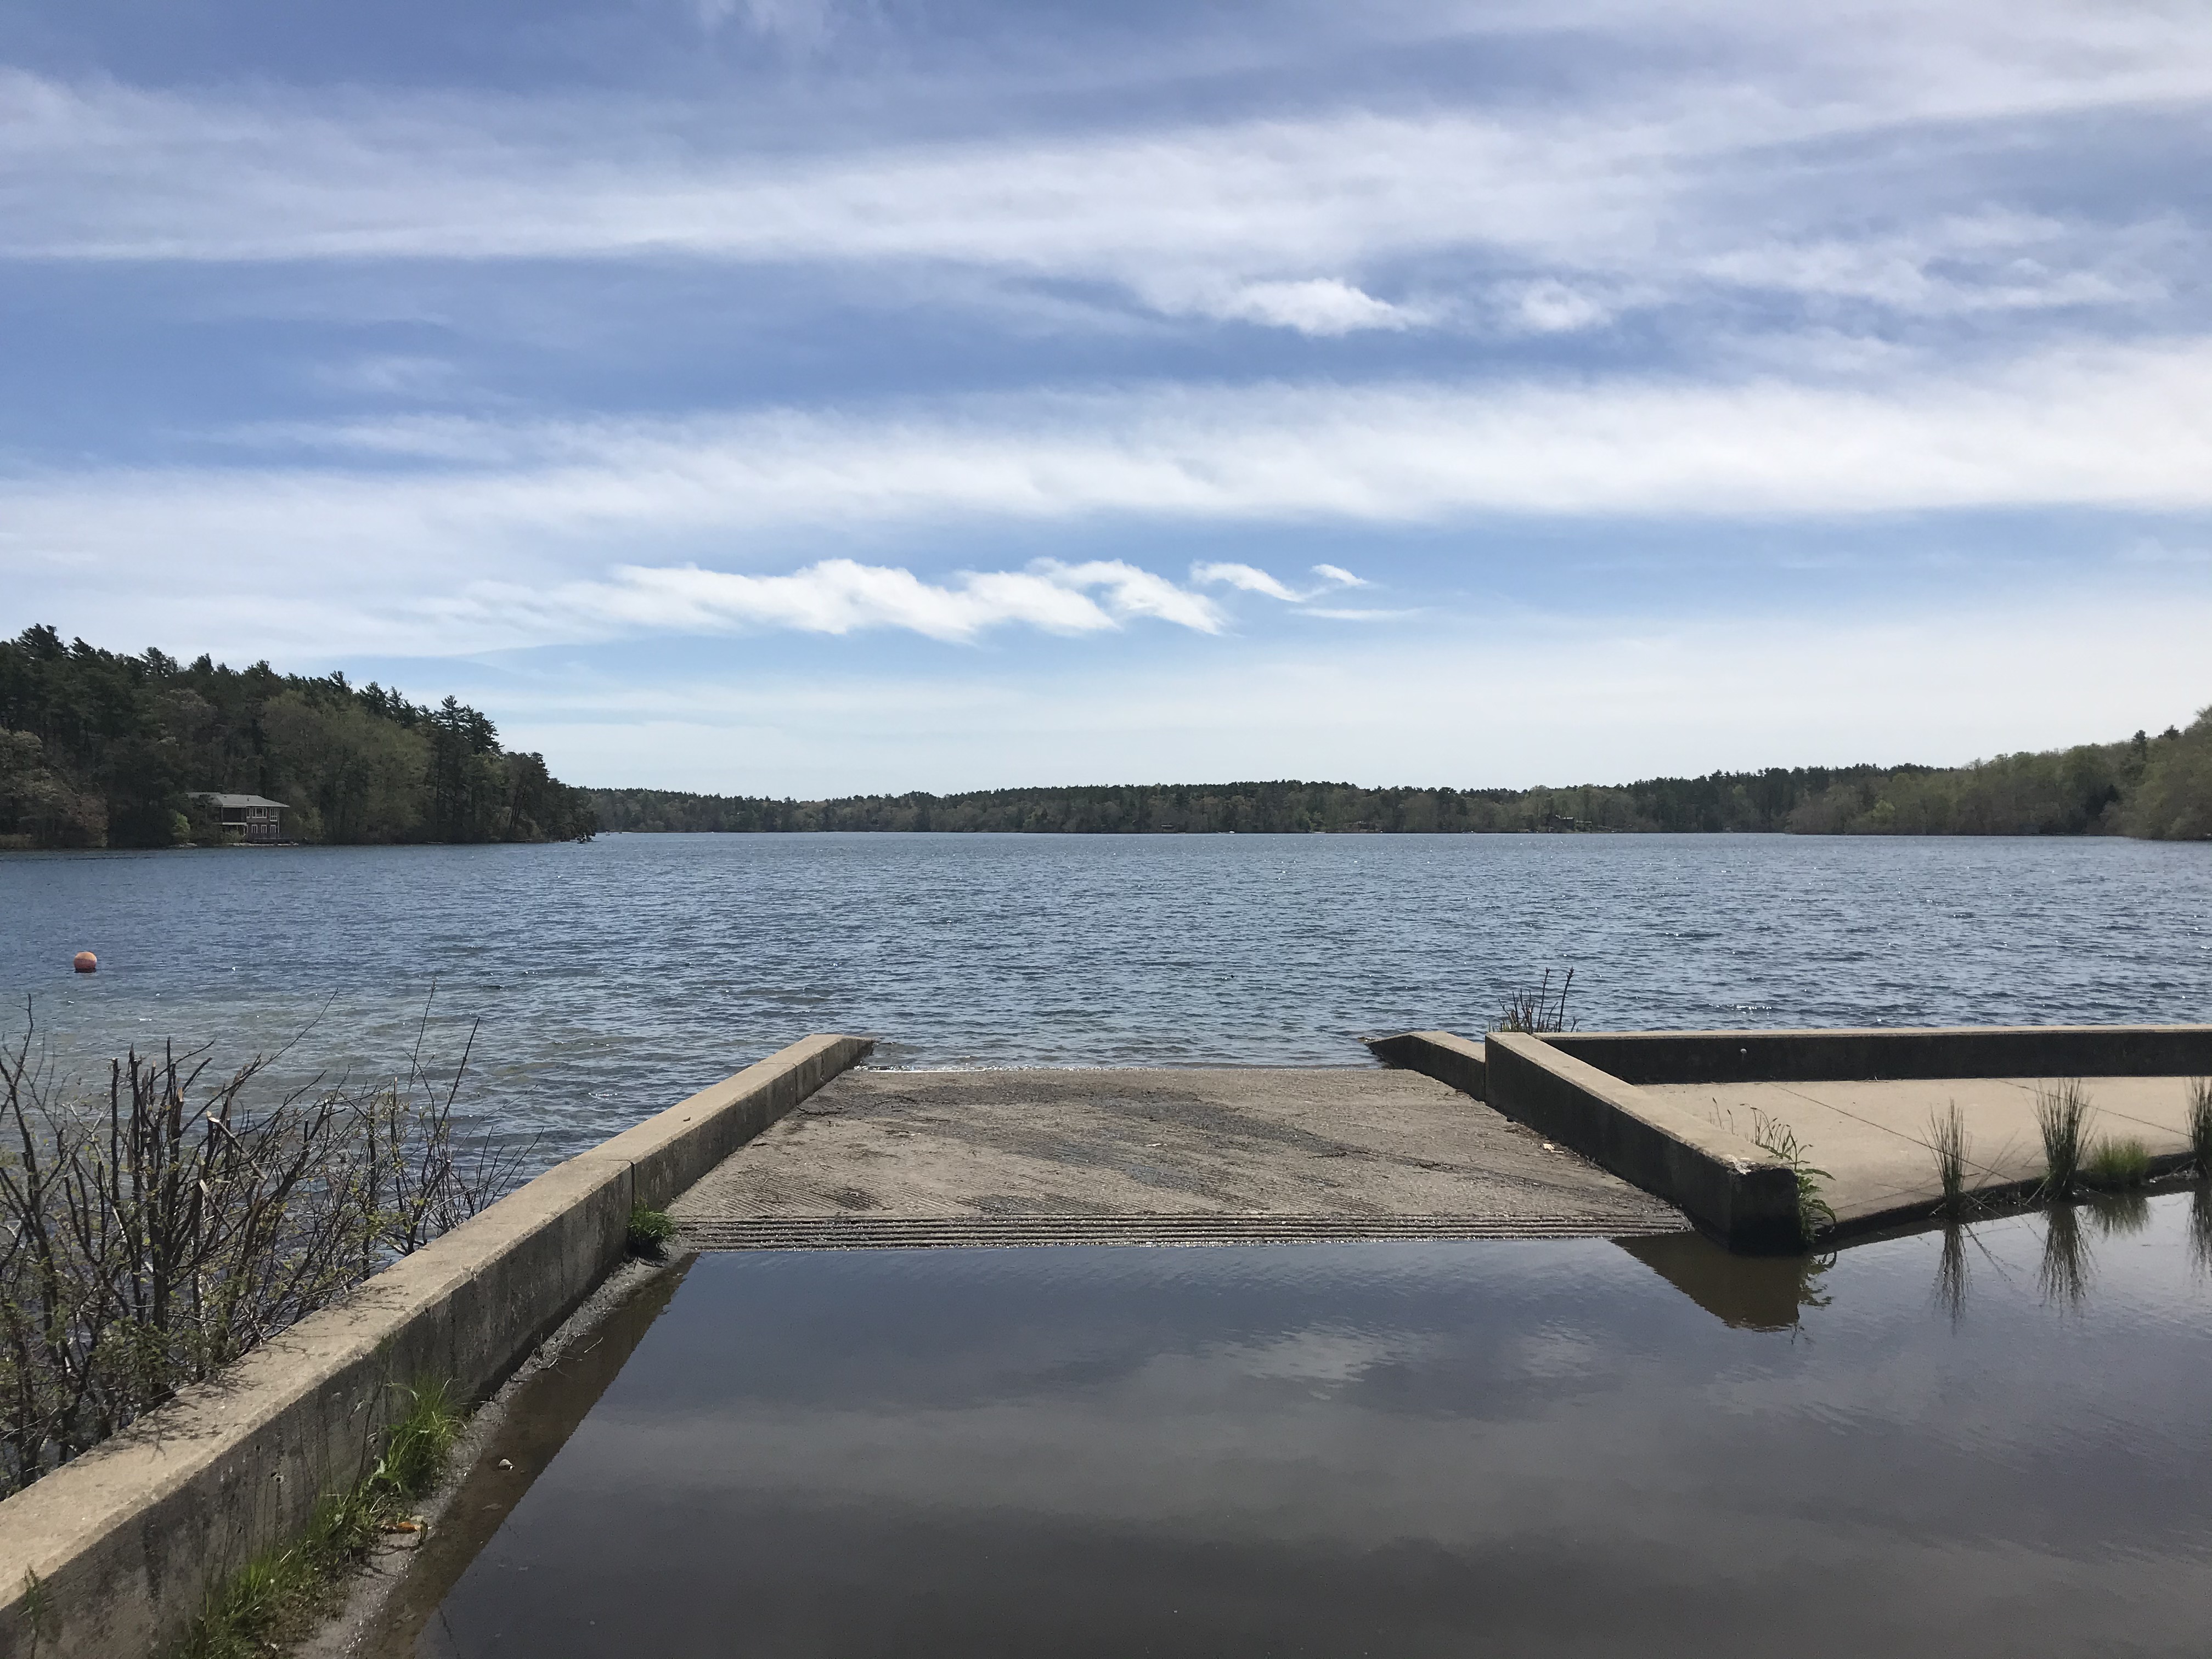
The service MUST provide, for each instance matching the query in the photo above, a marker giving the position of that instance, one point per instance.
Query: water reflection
(1754, 1293)
(1953, 1273)
(1561, 1447)
(2067, 1267)
(2120, 1215)
(2200, 1227)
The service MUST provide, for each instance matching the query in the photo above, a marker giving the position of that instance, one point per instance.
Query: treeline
(2152, 787)
(103, 750)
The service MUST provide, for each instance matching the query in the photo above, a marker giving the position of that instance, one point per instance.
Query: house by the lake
(254, 819)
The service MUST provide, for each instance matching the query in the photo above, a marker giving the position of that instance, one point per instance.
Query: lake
(614, 977)
(1986, 1444)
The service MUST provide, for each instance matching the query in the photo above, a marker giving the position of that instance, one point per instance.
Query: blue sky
(797, 396)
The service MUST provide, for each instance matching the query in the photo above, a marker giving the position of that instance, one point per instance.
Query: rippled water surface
(1992, 1444)
(614, 977)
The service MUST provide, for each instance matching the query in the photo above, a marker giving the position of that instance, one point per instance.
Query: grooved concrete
(1151, 1156)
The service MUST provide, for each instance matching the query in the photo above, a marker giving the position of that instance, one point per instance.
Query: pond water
(1988, 1443)
(616, 977)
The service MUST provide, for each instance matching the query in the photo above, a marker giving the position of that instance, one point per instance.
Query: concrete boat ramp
(1515, 1136)
(1151, 1156)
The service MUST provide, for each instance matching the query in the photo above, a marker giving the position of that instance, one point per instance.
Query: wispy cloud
(1254, 580)
(1559, 213)
(841, 596)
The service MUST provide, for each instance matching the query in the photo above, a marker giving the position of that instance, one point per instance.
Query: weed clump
(1815, 1214)
(278, 1593)
(2061, 1113)
(650, 1230)
(2116, 1165)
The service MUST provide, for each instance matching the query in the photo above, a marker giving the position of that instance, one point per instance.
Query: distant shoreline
(2153, 788)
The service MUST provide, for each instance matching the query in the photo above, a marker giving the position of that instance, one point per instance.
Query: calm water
(615, 977)
(1554, 1449)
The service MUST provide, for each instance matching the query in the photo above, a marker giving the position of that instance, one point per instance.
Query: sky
(806, 397)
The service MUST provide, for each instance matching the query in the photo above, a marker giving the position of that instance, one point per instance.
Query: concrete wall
(125, 1540)
(1734, 1189)
(1934, 1052)
(1456, 1060)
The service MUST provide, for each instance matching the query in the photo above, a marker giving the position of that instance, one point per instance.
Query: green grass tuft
(2117, 1164)
(275, 1598)
(2061, 1113)
(650, 1230)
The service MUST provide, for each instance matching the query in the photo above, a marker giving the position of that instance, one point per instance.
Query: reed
(2061, 1113)
(2200, 1124)
(1948, 1140)
(1534, 1008)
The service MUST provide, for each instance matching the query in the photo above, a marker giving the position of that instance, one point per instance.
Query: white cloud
(1551, 307)
(1323, 305)
(1251, 578)
(841, 596)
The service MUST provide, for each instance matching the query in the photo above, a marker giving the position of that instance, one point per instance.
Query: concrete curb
(1456, 1060)
(125, 1540)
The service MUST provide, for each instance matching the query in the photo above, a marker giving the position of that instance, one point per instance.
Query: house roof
(238, 800)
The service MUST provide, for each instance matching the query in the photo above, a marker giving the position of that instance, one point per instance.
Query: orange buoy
(87, 962)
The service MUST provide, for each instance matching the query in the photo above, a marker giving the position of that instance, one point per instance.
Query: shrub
(151, 1235)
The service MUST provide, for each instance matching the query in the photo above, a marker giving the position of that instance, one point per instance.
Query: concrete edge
(1443, 1056)
(125, 1540)
(2169, 1172)
(1726, 1184)
(1830, 1055)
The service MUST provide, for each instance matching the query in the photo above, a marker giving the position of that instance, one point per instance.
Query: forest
(98, 749)
(2159, 788)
